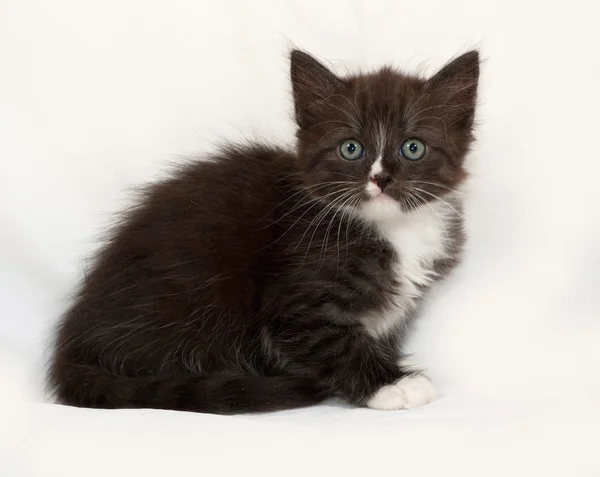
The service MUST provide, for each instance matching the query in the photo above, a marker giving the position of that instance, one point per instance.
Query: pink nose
(382, 180)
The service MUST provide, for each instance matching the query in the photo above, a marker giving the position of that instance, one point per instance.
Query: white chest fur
(419, 239)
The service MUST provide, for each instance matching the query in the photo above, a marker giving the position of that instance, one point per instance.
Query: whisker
(412, 122)
(321, 199)
(440, 220)
(351, 209)
(430, 183)
(326, 101)
(350, 103)
(440, 199)
(307, 190)
(409, 104)
(338, 121)
(321, 216)
(299, 204)
(409, 111)
(331, 223)
(316, 217)
(327, 134)
(348, 175)
(287, 176)
(446, 105)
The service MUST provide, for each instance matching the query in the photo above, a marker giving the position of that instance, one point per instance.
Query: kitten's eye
(412, 149)
(351, 150)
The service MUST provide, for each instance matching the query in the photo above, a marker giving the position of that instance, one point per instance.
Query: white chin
(380, 208)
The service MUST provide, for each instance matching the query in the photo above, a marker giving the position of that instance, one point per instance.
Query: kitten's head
(386, 141)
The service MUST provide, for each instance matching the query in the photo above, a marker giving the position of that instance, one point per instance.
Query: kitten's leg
(354, 366)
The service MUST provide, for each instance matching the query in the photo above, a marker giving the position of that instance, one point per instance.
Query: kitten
(263, 279)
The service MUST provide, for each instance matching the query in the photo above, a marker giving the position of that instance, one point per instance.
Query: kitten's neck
(388, 215)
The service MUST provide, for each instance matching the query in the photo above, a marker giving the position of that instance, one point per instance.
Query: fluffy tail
(224, 393)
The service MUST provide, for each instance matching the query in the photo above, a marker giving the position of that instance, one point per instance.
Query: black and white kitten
(265, 279)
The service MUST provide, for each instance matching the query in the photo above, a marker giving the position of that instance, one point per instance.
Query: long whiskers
(320, 216)
(438, 198)
(306, 190)
(347, 207)
(312, 199)
(339, 208)
(319, 219)
(316, 201)
(425, 202)
(436, 184)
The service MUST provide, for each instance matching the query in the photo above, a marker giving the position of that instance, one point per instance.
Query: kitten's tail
(223, 393)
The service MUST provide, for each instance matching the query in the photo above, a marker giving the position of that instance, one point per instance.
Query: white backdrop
(96, 97)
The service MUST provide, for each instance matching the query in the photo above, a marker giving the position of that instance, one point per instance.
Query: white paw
(407, 393)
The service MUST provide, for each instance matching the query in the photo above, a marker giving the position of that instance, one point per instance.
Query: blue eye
(412, 149)
(351, 150)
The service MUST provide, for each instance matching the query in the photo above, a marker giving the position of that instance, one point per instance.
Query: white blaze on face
(373, 189)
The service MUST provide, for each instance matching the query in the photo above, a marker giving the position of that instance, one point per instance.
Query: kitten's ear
(312, 83)
(455, 87)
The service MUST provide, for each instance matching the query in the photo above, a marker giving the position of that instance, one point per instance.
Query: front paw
(408, 392)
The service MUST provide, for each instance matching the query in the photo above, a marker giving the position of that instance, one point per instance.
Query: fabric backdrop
(98, 97)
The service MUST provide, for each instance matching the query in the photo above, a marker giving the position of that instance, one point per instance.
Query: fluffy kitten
(265, 279)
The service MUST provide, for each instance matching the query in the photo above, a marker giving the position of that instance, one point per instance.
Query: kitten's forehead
(385, 99)
(386, 89)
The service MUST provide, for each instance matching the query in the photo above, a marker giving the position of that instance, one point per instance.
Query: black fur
(238, 284)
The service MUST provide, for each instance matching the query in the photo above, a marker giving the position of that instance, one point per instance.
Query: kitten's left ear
(312, 83)
(455, 87)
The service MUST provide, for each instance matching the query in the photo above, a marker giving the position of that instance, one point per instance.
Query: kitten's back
(178, 275)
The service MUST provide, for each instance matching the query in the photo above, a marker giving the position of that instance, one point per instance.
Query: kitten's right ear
(455, 86)
(312, 84)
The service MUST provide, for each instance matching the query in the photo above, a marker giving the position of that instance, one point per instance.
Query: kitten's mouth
(382, 197)
(379, 196)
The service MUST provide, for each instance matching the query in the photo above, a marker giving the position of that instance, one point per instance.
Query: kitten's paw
(407, 393)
